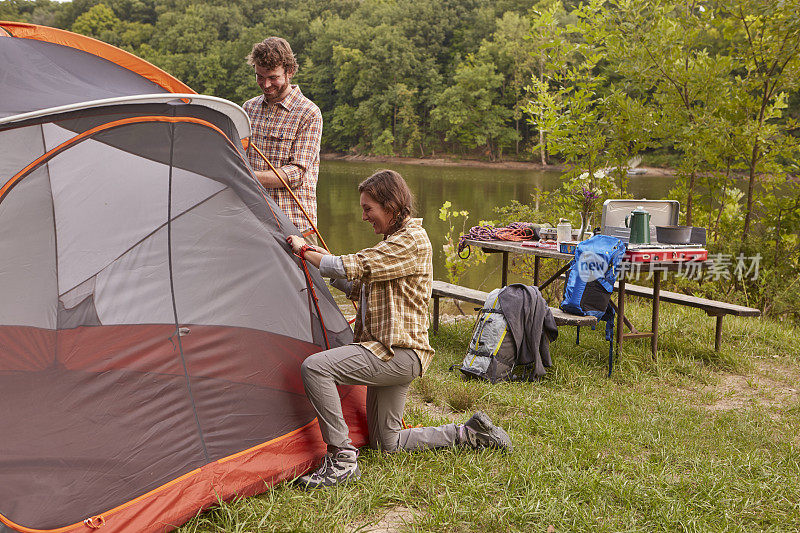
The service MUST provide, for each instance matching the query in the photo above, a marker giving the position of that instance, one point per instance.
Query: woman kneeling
(392, 283)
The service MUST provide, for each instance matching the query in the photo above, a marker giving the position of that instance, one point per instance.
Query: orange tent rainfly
(152, 317)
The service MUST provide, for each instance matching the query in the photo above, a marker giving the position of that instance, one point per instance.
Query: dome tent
(152, 318)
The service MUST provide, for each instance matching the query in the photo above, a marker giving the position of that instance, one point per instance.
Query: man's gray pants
(387, 384)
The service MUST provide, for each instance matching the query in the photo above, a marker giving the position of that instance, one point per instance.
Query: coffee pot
(639, 223)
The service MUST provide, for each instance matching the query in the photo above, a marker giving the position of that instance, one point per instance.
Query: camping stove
(648, 253)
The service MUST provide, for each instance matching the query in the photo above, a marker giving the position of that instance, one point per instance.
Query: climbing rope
(516, 231)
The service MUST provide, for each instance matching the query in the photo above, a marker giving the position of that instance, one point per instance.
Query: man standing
(287, 128)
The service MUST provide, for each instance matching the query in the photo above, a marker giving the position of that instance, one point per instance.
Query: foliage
(711, 81)
(771, 254)
(455, 263)
(470, 113)
(516, 212)
(664, 51)
(766, 38)
(588, 121)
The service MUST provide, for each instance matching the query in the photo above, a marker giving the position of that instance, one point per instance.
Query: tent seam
(148, 235)
(33, 165)
(55, 240)
(172, 296)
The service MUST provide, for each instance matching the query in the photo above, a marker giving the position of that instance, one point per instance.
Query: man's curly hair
(271, 53)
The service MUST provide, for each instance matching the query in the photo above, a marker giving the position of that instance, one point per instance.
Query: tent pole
(283, 181)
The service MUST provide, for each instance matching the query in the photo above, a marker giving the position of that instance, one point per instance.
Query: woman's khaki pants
(387, 384)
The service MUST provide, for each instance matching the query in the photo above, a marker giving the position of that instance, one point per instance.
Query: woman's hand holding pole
(312, 254)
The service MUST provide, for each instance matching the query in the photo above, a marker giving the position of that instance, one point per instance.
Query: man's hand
(269, 180)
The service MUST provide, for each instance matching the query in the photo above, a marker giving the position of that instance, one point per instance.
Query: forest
(709, 88)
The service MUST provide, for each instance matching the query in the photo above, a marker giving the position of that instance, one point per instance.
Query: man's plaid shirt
(398, 274)
(288, 133)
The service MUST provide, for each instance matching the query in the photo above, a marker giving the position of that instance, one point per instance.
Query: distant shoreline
(455, 162)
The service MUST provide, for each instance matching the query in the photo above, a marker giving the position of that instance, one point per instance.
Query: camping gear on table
(674, 234)
(152, 319)
(543, 244)
(638, 221)
(511, 337)
(567, 247)
(662, 213)
(551, 234)
(612, 220)
(563, 230)
(655, 252)
(591, 279)
(516, 232)
(548, 234)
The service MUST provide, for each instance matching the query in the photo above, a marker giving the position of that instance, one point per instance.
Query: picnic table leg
(536, 259)
(620, 310)
(718, 336)
(656, 298)
(555, 276)
(435, 314)
(611, 352)
(627, 322)
(504, 278)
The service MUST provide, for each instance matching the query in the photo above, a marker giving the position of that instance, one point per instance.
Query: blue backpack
(591, 279)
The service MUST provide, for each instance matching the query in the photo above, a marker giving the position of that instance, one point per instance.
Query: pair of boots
(341, 466)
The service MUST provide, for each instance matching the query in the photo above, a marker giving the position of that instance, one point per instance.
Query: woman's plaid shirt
(289, 133)
(398, 273)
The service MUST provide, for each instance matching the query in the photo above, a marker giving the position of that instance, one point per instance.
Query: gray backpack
(492, 351)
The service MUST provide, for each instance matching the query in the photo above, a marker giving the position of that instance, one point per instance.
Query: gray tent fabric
(40, 75)
(29, 257)
(153, 319)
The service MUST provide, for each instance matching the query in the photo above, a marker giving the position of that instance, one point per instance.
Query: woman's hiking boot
(335, 468)
(479, 432)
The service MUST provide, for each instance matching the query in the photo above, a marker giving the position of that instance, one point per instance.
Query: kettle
(639, 223)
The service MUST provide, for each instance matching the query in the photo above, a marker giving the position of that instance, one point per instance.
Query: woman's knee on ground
(388, 441)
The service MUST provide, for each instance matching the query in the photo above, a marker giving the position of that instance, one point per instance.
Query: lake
(477, 190)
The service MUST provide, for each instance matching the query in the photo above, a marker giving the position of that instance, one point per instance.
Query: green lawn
(699, 441)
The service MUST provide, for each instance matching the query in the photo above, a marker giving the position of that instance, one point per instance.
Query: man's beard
(276, 93)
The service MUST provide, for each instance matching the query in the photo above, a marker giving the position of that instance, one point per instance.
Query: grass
(696, 441)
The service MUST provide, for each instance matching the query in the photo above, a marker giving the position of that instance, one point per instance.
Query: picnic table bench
(713, 308)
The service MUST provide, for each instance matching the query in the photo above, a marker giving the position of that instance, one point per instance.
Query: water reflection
(477, 190)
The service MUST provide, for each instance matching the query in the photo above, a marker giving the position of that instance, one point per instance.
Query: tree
(765, 39)
(470, 112)
(548, 54)
(662, 50)
(572, 104)
(719, 77)
(512, 54)
(99, 22)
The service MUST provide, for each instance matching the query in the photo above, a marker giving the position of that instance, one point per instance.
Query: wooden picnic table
(657, 268)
